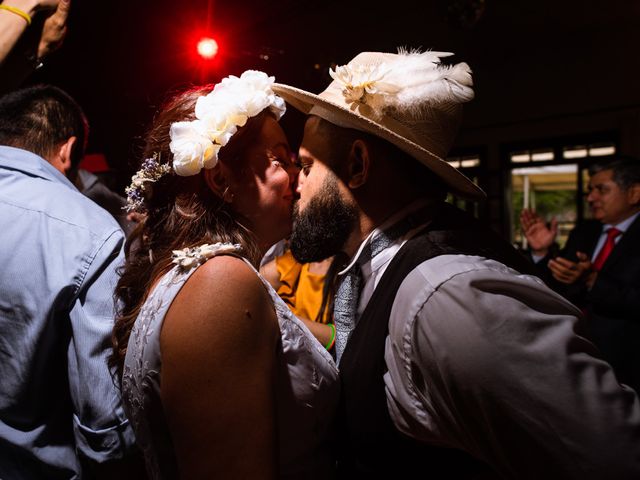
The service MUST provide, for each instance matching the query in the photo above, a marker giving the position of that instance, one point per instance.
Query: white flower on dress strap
(191, 257)
(195, 144)
(359, 80)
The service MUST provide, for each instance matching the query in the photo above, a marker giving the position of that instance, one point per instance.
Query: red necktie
(604, 252)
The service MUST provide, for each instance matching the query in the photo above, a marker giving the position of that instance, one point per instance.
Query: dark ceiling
(121, 57)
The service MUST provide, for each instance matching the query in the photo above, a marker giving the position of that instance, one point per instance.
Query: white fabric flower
(219, 114)
(192, 149)
(359, 81)
(190, 257)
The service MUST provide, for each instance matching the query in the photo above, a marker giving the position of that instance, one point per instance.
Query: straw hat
(408, 99)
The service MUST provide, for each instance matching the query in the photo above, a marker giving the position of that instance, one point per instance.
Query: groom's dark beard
(323, 228)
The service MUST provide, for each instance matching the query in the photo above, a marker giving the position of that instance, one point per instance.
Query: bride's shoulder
(223, 303)
(227, 279)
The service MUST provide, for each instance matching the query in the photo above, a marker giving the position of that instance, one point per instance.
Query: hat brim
(305, 101)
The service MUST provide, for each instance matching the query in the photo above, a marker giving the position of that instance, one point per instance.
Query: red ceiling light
(207, 48)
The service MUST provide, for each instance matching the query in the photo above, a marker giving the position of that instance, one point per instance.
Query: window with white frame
(550, 179)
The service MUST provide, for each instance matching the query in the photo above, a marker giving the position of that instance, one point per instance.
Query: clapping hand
(538, 235)
(569, 272)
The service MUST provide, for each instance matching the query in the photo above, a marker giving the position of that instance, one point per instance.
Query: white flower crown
(195, 144)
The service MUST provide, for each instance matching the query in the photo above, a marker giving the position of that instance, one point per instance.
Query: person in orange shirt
(307, 289)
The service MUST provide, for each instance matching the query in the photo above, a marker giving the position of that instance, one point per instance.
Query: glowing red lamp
(207, 48)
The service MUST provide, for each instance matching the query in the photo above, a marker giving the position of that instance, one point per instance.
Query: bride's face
(265, 188)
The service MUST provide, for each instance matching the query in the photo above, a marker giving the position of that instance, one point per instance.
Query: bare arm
(54, 30)
(218, 373)
(23, 48)
(12, 26)
(270, 273)
(321, 331)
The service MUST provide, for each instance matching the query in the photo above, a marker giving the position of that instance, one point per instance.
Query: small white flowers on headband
(195, 144)
(191, 257)
(150, 171)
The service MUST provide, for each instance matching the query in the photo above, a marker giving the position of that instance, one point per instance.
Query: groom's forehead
(317, 150)
(316, 129)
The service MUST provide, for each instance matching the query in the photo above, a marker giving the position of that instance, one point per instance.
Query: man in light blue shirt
(60, 411)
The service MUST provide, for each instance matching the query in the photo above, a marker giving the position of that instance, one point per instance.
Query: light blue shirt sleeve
(100, 424)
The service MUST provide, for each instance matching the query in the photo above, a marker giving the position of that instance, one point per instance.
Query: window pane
(576, 151)
(600, 151)
(551, 191)
(520, 157)
(469, 162)
(542, 155)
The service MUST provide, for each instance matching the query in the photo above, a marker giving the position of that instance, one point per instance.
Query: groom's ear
(358, 163)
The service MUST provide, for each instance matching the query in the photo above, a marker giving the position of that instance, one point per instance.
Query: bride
(219, 379)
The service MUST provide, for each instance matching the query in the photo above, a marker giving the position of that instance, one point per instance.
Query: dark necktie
(606, 249)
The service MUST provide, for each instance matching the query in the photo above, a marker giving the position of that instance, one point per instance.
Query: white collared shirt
(373, 269)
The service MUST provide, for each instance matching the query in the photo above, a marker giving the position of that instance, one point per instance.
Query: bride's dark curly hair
(180, 212)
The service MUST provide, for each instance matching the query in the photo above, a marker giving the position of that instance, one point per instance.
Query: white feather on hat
(412, 80)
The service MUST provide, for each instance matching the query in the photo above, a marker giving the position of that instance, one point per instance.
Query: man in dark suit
(599, 268)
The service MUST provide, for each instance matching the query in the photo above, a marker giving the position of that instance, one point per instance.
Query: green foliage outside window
(560, 204)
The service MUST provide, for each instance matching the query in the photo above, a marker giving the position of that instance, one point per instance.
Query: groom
(454, 361)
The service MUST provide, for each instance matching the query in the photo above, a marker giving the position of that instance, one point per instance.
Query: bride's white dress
(307, 389)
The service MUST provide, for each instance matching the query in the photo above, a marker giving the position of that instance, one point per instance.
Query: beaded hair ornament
(196, 144)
